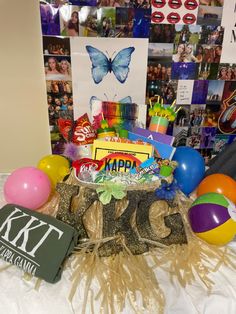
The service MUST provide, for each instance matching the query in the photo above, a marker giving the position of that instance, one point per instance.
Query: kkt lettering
(36, 243)
(17, 226)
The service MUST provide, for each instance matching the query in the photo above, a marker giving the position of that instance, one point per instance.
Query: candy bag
(83, 132)
(65, 127)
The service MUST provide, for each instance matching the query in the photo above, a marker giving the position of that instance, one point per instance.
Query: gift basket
(116, 210)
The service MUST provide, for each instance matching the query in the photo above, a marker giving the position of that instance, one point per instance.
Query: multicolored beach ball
(212, 217)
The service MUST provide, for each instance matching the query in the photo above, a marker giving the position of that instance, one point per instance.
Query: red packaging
(86, 165)
(65, 128)
(83, 132)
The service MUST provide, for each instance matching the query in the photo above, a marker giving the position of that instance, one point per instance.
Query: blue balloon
(190, 170)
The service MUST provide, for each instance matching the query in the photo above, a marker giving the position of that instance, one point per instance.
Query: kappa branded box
(120, 156)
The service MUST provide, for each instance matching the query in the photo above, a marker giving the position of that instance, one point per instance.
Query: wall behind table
(190, 58)
(24, 131)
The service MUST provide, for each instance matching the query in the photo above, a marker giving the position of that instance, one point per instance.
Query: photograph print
(187, 34)
(162, 33)
(207, 137)
(207, 71)
(141, 26)
(160, 52)
(197, 114)
(214, 3)
(200, 89)
(212, 114)
(88, 23)
(50, 21)
(53, 45)
(158, 70)
(184, 71)
(184, 53)
(57, 67)
(194, 137)
(211, 35)
(227, 72)
(183, 116)
(106, 18)
(166, 89)
(174, 12)
(69, 20)
(124, 22)
(84, 2)
(215, 92)
(209, 15)
(111, 3)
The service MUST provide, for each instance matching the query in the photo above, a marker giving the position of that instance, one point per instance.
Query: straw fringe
(131, 278)
(120, 277)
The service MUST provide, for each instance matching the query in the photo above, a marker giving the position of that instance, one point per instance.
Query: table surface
(18, 296)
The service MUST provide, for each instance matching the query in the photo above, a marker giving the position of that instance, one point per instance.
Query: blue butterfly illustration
(125, 100)
(101, 65)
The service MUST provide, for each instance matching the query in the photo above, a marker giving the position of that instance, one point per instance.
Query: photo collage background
(185, 40)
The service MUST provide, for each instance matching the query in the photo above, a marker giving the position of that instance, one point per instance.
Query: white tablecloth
(18, 296)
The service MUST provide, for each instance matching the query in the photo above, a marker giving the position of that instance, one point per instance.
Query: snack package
(65, 127)
(148, 166)
(86, 168)
(83, 132)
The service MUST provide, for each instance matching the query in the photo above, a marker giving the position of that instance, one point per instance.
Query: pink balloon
(28, 187)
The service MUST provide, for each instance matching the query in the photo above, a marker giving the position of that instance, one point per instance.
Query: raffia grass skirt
(125, 277)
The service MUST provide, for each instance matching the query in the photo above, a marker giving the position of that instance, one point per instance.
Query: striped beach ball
(212, 217)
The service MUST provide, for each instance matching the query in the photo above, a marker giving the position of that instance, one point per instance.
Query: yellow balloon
(220, 235)
(55, 166)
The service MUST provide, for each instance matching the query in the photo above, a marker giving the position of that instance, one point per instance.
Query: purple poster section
(189, 58)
